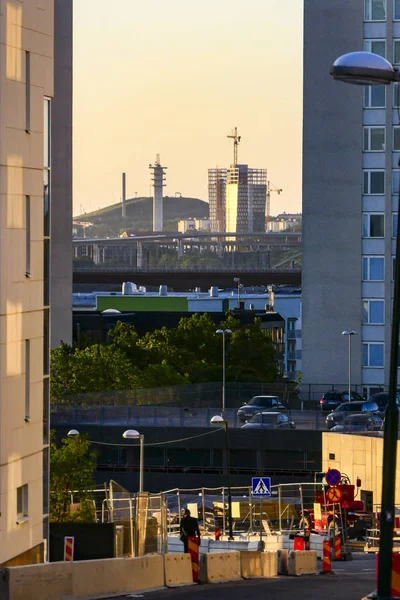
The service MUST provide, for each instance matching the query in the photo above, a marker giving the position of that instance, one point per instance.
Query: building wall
(332, 200)
(25, 28)
(61, 170)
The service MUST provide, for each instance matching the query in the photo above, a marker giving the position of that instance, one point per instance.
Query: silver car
(270, 420)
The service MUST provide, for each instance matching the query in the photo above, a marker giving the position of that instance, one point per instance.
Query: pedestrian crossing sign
(261, 486)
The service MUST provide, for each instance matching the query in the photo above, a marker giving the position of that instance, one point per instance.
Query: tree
(71, 468)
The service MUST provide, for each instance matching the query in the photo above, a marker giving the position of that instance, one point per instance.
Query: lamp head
(131, 434)
(364, 68)
(73, 433)
(352, 332)
(217, 420)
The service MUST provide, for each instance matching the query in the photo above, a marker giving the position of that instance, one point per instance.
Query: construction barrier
(302, 563)
(259, 564)
(395, 591)
(217, 533)
(69, 548)
(283, 559)
(307, 539)
(337, 548)
(298, 543)
(221, 566)
(193, 549)
(326, 558)
(178, 570)
(82, 579)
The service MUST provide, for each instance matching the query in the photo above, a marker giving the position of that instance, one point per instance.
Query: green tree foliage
(71, 468)
(190, 353)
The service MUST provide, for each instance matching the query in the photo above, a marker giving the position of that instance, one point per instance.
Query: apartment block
(26, 89)
(351, 150)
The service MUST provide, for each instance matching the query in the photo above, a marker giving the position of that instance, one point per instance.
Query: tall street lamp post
(218, 420)
(239, 286)
(350, 335)
(132, 434)
(366, 68)
(223, 332)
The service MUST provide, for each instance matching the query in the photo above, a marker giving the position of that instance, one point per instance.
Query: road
(350, 581)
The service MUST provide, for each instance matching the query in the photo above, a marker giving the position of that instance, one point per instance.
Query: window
(396, 139)
(374, 182)
(373, 268)
(27, 92)
(46, 272)
(22, 503)
(394, 225)
(46, 341)
(45, 481)
(396, 15)
(46, 409)
(376, 46)
(373, 312)
(291, 323)
(373, 225)
(375, 10)
(28, 236)
(27, 380)
(373, 355)
(396, 52)
(396, 96)
(374, 96)
(374, 139)
(395, 181)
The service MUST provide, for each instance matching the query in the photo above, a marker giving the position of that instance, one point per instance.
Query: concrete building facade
(26, 88)
(61, 169)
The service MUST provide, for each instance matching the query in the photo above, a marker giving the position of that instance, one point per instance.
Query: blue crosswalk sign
(261, 486)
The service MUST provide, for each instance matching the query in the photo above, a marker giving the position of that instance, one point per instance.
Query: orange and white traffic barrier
(193, 549)
(69, 548)
(337, 548)
(326, 557)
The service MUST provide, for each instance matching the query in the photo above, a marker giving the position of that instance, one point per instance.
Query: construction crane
(236, 141)
(271, 188)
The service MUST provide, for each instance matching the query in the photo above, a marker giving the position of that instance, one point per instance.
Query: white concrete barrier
(178, 570)
(259, 564)
(302, 562)
(220, 566)
(82, 579)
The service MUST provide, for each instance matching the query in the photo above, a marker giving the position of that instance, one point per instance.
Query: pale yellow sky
(174, 77)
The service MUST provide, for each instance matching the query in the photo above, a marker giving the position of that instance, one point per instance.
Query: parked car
(259, 404)
(382, 399)
(358, 423)
(270, 420)
(331, 400)
(339, 414)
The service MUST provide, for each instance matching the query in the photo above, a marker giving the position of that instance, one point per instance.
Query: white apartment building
(26, 88)
(351, 149)
(185, 225)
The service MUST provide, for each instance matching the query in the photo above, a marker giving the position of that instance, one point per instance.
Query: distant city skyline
(174, 79)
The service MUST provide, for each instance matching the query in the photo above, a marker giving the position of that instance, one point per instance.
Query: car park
(359, 423)
(259, 404)
(270, 420)
(331, 400)
(338, 415)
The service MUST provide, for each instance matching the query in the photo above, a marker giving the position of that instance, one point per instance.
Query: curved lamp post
(350, 334)
(218, 420)
(129, 434)
(366, 68)
(223, 332)
(132, 434)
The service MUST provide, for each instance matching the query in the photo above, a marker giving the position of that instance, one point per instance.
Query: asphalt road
(350, 581)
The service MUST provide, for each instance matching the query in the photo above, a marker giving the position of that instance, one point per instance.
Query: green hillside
(139, 213)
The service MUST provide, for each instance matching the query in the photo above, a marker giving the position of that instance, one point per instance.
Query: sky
(174, 77)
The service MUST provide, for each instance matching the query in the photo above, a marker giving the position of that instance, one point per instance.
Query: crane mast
(236, 141)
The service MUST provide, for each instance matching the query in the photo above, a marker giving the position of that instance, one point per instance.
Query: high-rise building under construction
(237, 197)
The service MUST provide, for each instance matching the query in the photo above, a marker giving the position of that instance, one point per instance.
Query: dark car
(259, 404)
(331, 400)
(339, 414)
(382, 399)
(270, 420)
(359, 423)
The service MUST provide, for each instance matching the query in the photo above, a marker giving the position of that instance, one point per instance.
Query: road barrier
(259, 564)
(178, 570)
(222, 566)
(302, 562)
(337, 548)
(326, 558)
(283, 562)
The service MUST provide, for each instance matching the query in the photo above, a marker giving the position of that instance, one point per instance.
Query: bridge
(183, 279)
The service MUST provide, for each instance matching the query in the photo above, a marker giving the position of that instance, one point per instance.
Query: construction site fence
(207, 395)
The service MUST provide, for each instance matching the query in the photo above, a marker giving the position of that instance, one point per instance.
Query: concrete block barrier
(283, 562)
(82, 579)
(220, 566)
(259, 564)
(302, 562)
(178, 570)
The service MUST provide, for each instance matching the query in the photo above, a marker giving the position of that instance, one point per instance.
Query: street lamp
(350, 334)
(239, 285)
(223, 332)
(218, 420)
(132, 434)
(366, 68)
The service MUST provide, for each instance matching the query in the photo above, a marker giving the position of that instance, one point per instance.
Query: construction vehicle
(346, 514)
